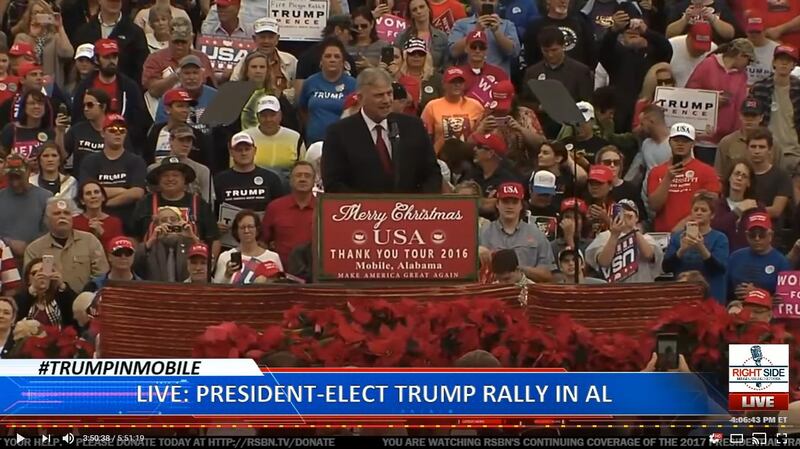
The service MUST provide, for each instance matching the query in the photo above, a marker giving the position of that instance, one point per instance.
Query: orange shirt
(445, 120)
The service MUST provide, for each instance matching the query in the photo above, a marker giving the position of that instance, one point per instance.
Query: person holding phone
(699, 247)
(502, 42)
(246, 230)
(79, 254)
(46, 298)
(43, 26)
(684, 13)
(671, 185)
(365, 47)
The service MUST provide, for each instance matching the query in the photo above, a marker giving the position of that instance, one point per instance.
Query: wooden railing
(145, 319)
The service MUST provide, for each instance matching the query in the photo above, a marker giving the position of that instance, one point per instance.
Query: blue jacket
(745, 266)
(518, 12)
(713, 269)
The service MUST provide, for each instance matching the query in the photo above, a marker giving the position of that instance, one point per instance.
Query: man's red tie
(383, 152)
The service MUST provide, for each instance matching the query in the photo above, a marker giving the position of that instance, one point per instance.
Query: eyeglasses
(123, 253)
(757, 233)
(360, 26)
(89, 105)
(478, 47)
(117, 129)
(610, 162)
(665, 81)
(740, 175)
(246, 227)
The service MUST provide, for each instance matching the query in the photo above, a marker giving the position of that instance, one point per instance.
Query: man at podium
(376, 150)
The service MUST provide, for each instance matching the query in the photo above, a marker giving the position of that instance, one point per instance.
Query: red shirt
(774, 13)
(696, 176)
(479, 85)
(8, 87)
(286, 224)
(112, 227)
(110, 89)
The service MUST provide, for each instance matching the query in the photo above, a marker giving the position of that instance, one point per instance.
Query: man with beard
(170, 180)
(124, 94)
(25, 202)
(78, 255)
(111, 23)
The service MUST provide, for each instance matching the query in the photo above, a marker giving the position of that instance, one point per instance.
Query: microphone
(394, 131)
(755, 351)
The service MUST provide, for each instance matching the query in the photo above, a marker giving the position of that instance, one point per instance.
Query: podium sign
(396, 238)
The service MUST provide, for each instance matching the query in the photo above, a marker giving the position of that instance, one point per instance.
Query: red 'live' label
(758, 401)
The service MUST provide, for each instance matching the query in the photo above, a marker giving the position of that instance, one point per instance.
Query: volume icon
(69, 438)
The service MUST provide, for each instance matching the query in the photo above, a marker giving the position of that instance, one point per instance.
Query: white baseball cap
(266, 24)
(586, 109)
(241, 137)
(84, 51)
(543, 182)
(268, 103)
(682, 130)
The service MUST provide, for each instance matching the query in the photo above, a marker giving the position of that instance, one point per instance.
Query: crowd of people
(109, 171)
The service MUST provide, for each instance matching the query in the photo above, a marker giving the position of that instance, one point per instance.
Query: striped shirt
(9, 275)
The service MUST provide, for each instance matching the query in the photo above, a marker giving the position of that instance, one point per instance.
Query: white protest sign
(696, 107)
(300, 20)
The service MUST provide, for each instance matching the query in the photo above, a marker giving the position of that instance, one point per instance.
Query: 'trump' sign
(787, 295)
(694, 106)
(417, 238)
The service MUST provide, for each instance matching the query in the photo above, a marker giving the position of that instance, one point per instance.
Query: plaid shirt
(9, 275)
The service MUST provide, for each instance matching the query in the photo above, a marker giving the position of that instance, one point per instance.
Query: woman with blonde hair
(256, 69)
(418, 75)
(45, 29)
(157, 28)
(660, 74)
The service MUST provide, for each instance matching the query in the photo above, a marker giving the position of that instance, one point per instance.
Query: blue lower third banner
(354, 392)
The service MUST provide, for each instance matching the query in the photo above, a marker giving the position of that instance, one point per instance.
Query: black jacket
(350, 162)
(130, 38)
(131, 104)
(627, 68)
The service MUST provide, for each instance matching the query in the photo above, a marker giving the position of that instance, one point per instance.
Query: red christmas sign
(409, 238)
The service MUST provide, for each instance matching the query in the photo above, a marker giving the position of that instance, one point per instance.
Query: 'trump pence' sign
(693, 106)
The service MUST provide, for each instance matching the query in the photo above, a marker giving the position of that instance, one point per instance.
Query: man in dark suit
(377, 151)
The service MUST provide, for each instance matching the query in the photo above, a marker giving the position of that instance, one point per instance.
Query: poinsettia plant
(54, 343)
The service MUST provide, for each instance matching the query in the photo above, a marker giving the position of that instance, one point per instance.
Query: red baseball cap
(601, 173)
(502, 94)
(173, 95)
(267, 269)
(453, 73)
(105, 47)
(759, 297)
(754, 25)
(199, 249)
(113, 119)
(120, 242)
(27, 67)
(700, 33)
(758, 220)
(786, 50)
(511, 190)
(224, 3)
(477, 36)
(22, 49)
(492, 142)
(569, 204)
